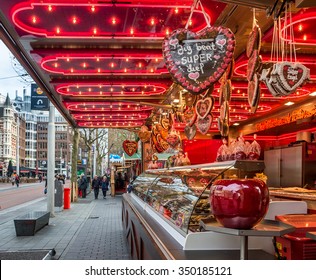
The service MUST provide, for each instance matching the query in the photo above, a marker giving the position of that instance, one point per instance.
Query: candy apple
(239, 203)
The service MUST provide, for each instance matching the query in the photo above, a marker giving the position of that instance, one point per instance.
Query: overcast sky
(9, 82)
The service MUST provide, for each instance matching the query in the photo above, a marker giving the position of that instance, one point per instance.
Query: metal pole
(61, 158)
(51, 161)
(94, 161)
(244, 247)
(18, 146)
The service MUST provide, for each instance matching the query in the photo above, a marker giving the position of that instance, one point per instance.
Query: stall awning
(115, 158)
(135, 156)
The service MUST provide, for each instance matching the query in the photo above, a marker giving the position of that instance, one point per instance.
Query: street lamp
(17, 147)
(94, 160)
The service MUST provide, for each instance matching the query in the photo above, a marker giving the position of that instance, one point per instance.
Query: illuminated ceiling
(101, 63)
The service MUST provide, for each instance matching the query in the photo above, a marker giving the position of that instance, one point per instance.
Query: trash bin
(66, 198)
(59, 193)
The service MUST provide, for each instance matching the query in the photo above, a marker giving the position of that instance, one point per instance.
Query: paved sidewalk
(90, 229)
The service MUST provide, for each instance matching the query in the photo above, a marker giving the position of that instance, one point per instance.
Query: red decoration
(203, 125)
(203, 107)
(130, 147)
(239, 203)
(197, 60)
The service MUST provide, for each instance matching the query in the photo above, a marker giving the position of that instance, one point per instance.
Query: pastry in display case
(180, 195)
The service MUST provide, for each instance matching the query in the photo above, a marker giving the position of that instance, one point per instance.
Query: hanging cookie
(203, 107)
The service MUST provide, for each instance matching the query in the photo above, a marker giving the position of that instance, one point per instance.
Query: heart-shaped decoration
(203, 107)
(253, 64)
(254, 93)
(254, 40)
(130, 147)
(225, 92)
(190, 116)
(292, 75)
(197, 60)
(165, 123)
(173, 140)
(203, 125)
(190, 131)
(155, 143)
(162, 143)
(144, 136)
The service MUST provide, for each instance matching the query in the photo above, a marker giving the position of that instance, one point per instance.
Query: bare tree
(117, 137)
(92, 136)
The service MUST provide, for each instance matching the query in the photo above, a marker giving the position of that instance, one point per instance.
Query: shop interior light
(313, 93)
(289, 103)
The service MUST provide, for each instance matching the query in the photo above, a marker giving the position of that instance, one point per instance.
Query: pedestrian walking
(83, 184)
(17, 180)
(105, 185)
(96, 186)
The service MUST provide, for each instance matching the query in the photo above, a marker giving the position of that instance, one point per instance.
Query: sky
(9, 82)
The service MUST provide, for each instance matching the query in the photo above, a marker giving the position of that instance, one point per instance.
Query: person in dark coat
(17, 180)
(105, 185)
(83, 184)
(96, 186)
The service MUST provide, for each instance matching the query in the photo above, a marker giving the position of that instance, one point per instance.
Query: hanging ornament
(130, 147)
(254, 91)
(285, 75)
(197, 60)
(173, 139)
(190, 131)
(144, 134)
(254, 64)
(190, 116)
(203, 107)
(204, 124)
(254, 38)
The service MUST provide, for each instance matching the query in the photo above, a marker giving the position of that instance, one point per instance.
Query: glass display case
(181, 194)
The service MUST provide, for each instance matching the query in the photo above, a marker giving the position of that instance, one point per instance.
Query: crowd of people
(97, 183)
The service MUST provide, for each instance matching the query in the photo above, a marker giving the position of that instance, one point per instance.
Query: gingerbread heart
(292, 75)
(197, 60)
(203, 107)
(253, 64)
(144, 136)
(190, 116)
(190, 131)
(254, 40)
(165, 123)
(173, 140)
(254, 93)
(130, 147)
(203, 125)
(162, 143)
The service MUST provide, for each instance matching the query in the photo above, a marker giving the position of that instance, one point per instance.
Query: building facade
(25, 131)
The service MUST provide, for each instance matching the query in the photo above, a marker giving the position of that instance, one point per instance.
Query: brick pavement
(90, 229)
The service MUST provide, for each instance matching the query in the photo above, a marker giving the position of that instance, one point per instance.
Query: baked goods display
(183, 200)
